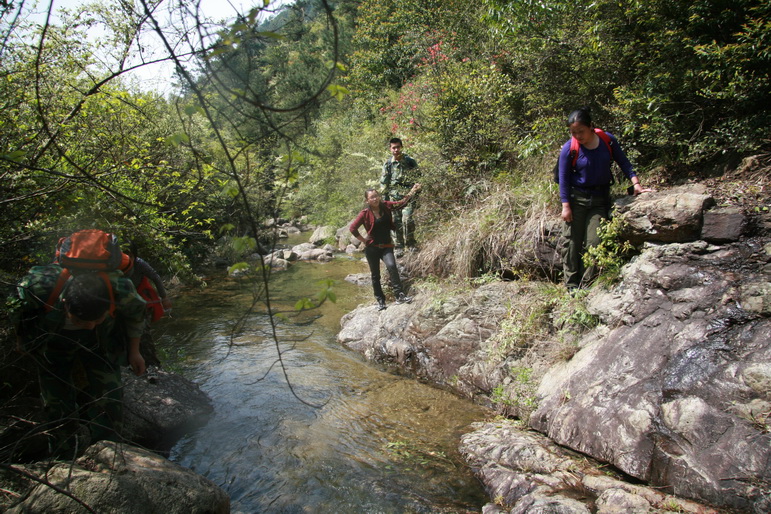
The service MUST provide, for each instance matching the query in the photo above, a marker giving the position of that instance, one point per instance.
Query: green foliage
(345, 154)
(519, 395)
(499, 396)
(477, 89)
(527, 322)
(611, 253)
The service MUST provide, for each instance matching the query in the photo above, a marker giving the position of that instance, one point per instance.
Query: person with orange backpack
(80, 311)
(585, 177)
(148, 284)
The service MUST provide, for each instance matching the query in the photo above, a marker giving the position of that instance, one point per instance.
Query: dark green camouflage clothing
(79, 370)
(397, 179)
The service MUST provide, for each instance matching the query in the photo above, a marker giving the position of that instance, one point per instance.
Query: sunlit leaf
(238, 267)
(176, 139)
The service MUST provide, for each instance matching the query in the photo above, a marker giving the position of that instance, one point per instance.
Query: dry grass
(507, 231)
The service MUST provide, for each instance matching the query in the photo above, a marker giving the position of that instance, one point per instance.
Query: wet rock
(360, 279)
(345, 238)
(440, 340)
(287, 255)
(159, 407)
(116, 478)
(304, 247)
(277, 260)
(671, 387)
(309, 252)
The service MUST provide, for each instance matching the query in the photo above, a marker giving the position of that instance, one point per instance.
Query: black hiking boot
(403, 298)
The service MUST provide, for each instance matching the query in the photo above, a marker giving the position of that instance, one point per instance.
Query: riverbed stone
(118, 478)
(663, 386)
(345, 238)
(321, 234)
(360, 279)
(527, 472)
(159, 407)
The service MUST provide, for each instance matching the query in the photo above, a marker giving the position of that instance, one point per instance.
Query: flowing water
(372, 442)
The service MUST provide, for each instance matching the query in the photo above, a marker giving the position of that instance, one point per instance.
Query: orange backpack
(86, 250)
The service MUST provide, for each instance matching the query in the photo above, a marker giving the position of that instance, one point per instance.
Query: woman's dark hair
(87, 297)
(367, 192)
(581, 116)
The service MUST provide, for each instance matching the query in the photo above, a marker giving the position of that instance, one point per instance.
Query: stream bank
(665, 377)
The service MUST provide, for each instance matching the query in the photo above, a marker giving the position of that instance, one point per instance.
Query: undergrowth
(610, 255)
(496, 232)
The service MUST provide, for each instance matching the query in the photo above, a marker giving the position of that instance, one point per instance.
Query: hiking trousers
(581, 234)
(404, 221)
(374, 255)
(80, 383)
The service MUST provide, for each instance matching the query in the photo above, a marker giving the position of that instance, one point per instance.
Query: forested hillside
(287, 112)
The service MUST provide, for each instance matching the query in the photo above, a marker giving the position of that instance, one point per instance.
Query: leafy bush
(611, 253)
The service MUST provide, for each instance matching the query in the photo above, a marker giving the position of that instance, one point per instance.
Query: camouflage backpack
(36, 314)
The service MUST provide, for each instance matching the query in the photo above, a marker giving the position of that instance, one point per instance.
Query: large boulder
(673, 387)
(527, 472)
(122, 479)
(322, 234)
(440, 340)
(671, 216)
(310, 252)
(159, 407)
(345, 238)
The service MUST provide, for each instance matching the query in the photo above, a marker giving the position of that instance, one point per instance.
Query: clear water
(373, 442)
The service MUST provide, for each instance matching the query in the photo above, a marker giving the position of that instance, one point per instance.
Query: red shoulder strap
(64, 276)
(606, 138)
(107, 283)
(574, 145)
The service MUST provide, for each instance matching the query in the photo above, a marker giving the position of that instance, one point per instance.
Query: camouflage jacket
(36, 324)
(398, 177)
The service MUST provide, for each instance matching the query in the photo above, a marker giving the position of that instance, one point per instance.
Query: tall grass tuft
(509, 228)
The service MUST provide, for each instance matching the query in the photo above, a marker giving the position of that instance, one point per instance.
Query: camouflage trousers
(80, 384)
(404, 221)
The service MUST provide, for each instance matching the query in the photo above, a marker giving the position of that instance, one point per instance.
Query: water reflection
(378, 443)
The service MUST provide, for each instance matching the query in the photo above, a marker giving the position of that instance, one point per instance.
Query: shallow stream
(373, 442)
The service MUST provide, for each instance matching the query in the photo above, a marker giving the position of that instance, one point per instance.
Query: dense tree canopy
(290, 113)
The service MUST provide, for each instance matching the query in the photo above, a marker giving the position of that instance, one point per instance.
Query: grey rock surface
(122, 479)
(160, 406)
(672, 216)
(675, 393)
(672, 387)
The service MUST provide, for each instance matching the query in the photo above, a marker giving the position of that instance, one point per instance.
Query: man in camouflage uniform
(398, 177)
(88, 324)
